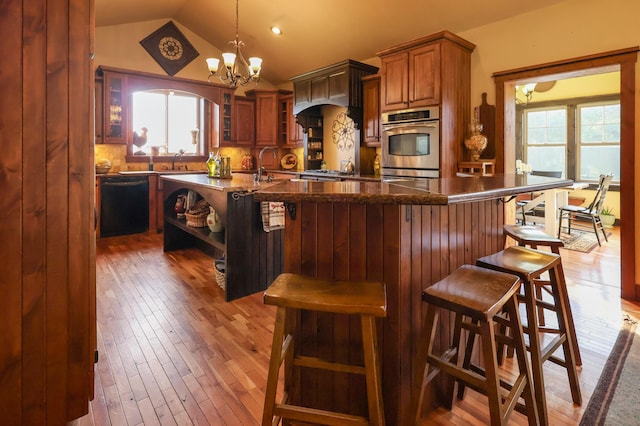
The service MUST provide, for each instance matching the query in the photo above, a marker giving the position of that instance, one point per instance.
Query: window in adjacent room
(173, 120)
(598, 140)
(581, 139)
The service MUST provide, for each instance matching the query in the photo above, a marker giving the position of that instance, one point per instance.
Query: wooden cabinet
(268, 116)
(413, 74)
(243, 124)
(115, 108)
(294, 133)
(411, 78)
(98, 111)
(432, 70)
(372, 129)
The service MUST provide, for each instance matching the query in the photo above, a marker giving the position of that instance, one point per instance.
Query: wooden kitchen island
(408, 234)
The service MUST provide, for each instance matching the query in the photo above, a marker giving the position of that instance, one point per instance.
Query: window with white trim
(170, 117)
(581, 139)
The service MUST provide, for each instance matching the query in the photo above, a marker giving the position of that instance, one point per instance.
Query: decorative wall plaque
(170, 48)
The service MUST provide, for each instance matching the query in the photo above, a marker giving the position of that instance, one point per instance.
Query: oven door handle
(430, 124)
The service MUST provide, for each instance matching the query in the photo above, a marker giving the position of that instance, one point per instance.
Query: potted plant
(607, 217)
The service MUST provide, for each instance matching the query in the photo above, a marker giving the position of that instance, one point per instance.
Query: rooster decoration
(140, 140)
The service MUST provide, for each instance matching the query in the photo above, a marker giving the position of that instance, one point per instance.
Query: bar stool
(477, 296)
(529, 264)
(532, 236)
(293, 292)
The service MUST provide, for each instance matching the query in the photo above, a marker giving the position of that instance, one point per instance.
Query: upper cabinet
(292, 131)
(115, 108)
(371, 110)
(420, 72)
(268, 106)
(244, 124)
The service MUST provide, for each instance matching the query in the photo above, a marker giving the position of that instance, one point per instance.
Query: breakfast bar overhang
(409, 234)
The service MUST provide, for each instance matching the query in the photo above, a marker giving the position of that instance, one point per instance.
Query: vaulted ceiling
(316, 32)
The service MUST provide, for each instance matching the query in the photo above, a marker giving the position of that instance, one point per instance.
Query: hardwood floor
(172, 351)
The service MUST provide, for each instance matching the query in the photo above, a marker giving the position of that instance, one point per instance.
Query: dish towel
(272, 215)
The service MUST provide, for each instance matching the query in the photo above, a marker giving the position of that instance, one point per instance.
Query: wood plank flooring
(173, 352)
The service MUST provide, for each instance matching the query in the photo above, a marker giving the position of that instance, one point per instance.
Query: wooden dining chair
(589, 213)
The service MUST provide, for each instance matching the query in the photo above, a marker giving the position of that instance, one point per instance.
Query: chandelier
(236, 70)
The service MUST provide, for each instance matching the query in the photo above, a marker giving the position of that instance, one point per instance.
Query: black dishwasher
(124, 205)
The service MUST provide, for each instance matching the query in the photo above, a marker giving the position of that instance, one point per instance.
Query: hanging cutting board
(487, 116)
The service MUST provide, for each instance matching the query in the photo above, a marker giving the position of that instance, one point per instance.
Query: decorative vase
(213, 221)
(477, 142)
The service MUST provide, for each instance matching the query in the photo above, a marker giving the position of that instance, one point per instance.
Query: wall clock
(170, 48)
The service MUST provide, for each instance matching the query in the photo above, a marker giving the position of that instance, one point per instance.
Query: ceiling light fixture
(236, 69)
(527, 91)
(276, 30)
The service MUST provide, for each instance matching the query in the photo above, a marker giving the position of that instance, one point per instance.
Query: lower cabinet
(253, 257)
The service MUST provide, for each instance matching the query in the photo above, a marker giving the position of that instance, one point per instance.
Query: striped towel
(272, 215)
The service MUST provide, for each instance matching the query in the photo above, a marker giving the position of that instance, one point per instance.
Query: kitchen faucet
(258, 176)
(173, 160)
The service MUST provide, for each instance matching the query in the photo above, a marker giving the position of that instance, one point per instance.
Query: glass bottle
(211, 165)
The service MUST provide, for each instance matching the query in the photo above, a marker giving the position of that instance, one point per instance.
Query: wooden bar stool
(478, 297)
(529, 264)
(532, 236)
(293, 292)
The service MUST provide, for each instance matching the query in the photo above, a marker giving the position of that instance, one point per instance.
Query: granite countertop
(425, 191)
(238, 181)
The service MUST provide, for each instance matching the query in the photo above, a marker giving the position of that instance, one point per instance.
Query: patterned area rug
(581, 240)
(615, 398)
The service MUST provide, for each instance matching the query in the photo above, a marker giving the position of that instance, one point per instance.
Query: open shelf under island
(253, 257)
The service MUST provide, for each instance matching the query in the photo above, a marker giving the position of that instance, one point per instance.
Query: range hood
(338, 84)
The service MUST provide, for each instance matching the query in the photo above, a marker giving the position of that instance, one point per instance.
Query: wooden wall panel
(11, 207)
(47, 293)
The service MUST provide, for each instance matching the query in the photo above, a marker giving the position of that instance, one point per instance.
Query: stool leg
(488, 343)
(520, 350)
(426, 346)
(564, 299)
(536, 353)
(274, 367)
(568, 344)
(372, 368)
(468, 351)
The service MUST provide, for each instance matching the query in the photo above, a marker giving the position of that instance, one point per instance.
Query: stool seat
(522, 261)
(314, 294)
(478, 297)
(294, 292)
(528, 235)
(478, 293)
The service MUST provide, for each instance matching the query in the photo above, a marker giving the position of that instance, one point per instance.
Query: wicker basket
(197, 215)
(196, 220)
(221, 276)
